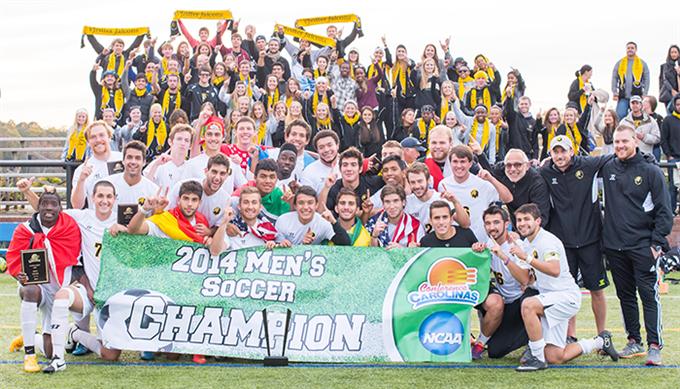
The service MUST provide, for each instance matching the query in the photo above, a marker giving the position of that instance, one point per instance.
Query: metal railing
(70, 168)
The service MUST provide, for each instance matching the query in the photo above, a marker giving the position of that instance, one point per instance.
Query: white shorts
(88, 308)
(47, 293)
(558, 308)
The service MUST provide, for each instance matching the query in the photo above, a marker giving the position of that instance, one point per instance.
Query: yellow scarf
(499, 128)
(351, 120)
(261, 132)
(323, 124)
(315, 100)
(575, 135)
(164, 66)
(491, 73)
(550, 130)
(140, 92)
(461, 86)
(149, 77)
(247, 81)
(166, 101)
(289, 101)
(160, 133)
(512, 94)
(399, 74)
(485, 132)
(583, 100)
(111, 65)
(445, 108)
(272, 99)
(317, 73)
(424, 129)
(118, 99)
(677, 115)
(637, 71)
(217, 80)
(77, 144)
(373, 71)
(486, 98)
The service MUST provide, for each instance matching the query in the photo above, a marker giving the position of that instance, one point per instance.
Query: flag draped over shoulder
(62, 243)
(176, 226)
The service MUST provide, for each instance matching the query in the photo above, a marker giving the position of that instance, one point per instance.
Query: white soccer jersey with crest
(548, 247)
(475, 195)
(506, 284)
(91, 232)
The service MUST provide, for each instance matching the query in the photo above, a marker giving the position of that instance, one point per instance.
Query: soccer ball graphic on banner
(120, 325)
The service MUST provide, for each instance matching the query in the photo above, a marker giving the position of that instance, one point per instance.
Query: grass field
(586, 372)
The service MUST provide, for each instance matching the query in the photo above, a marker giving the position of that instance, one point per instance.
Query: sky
(44, 72)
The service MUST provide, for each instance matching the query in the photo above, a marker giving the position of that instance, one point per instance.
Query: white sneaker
(55, 365)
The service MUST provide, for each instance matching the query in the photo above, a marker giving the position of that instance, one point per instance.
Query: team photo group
(233, 137)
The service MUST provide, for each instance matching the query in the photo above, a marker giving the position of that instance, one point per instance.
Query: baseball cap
(561, 141)
(412, 143)
(427, 108)
(636, 98)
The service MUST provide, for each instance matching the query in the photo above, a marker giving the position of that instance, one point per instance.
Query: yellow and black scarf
(317, 73)
(111, 63)
(248, 81)
(156, 131)
(485, 133)
(166, 101)
(118, 100)
(574, 134)
(424, 129)
(77, 144)
(583, 100)
(400, 75)
(638, 68)
(315, 100)
(323, 124)
(352, 120)
(272, 99)
(486, 98)
(461, 86)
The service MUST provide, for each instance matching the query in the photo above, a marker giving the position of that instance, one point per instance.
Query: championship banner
(348, 304)
(347, 18)
(132, 31)
(209, 15)
(308, 36)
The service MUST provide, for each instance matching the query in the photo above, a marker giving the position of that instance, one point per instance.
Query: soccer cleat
(632, 349)
(55, 365)
(653, 357)
(532, 364)
(70, 344)
(200, 359)
(477, 351)
(526, 354)
(608, 345)
(31, 363)
(80, 350)
(147, 356)
(17, 344)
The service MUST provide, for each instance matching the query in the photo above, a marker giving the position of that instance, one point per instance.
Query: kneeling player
(502, 329)
(546, 316)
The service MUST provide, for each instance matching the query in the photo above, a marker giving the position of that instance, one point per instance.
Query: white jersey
(475, 195)
(100, 170)
(91, 232)
(212, 206)
(167, 174)
(547, 246)
(135, 194)
(421, 209)
(506, 284)
(315, 174)
(195, 168)
(245, 240)
(288, 227)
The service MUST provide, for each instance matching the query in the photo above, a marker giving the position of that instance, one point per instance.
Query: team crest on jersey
(216, 211)
(141, 201)
(638, 180)
(612, 177)
(467, 209)
(579, 174)
(474, 193)
(554, 181)
(534, 254)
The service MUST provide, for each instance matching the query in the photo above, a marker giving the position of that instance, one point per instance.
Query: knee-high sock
(88, 340)
(28, 315)
(59, 325)
(39, 342)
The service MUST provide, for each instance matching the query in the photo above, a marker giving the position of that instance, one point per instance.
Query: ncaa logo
(441, 333)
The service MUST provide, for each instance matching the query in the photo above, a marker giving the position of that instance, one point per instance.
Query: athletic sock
(84, 323)
(482, 339)
(28, 313)
(39, 342)
(88, 340)
(538, 349)
(59, 325)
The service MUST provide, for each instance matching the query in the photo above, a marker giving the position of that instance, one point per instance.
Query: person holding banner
(56, 238)
(203, 34)
(347, 209)
(546, 316)
(114, 57)
(502, 328)
(248, 228)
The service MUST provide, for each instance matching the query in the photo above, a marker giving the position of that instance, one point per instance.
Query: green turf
(190, 376)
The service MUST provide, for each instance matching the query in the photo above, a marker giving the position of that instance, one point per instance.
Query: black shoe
(532, 364)
(526, 354)
(608, 345)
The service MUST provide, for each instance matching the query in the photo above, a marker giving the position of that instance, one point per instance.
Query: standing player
(131, 186)
(547, 315)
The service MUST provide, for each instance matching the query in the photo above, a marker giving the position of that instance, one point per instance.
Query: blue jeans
(622, 107)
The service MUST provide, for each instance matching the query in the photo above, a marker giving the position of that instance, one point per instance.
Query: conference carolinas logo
(448, 282)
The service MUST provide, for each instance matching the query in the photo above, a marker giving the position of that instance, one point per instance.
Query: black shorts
(590, 262)
(492, 289)
(511, 334)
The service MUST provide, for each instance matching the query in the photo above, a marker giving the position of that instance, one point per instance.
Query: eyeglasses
(514, 165)
(464, 71)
